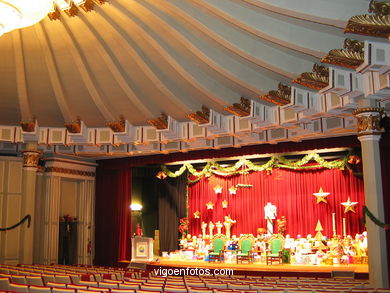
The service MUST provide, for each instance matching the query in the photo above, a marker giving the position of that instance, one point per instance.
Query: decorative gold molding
(87, 6)
(31, 159)
(70, 171)
(351, 56)
(74, 127)
(28, 126)
(119, 125)
(200, 117)
(241, 109)
(369, 120)
(280, 97)
(317, 79)
(160, 122)
(376, 25)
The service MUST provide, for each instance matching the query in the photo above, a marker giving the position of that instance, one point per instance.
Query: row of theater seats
(73, 279)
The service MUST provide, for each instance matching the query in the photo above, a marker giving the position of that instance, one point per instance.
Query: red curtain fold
(112, 216)
(292, 193)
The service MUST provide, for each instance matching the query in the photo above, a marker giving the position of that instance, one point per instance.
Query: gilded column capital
(31, 159)
(369, 120)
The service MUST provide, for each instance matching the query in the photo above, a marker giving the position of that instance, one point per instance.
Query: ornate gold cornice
(87, 6)
(241, 109)
(369, 120)
(117, 126)
(200, 117)
(74, 126)
(28, 126)
(70, 171)
(31, 159)
(160, 122)
(351, 56)
(317, 79)
(376, 25)
(280, 97)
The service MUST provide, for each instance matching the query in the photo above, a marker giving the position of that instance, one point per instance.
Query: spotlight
(161, 175)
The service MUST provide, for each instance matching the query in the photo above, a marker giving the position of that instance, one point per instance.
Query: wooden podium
(141, 249)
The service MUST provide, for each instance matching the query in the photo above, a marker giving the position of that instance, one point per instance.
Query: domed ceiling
(135, 59)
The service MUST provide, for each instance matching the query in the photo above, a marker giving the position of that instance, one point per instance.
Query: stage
(357, 271)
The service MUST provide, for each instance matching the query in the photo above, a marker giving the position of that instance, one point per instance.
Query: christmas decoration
(319, 235)
(367, 212)
(225, 204)
(349, 205)
(218, 189)
(197, 215)
(321, 196)
(210, 205)
(233, 190)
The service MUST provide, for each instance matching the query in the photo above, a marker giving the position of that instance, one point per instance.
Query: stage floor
(359, 271)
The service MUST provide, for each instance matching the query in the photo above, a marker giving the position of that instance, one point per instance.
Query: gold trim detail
(28, 126)
(376, 25)
(369, 120)
(74, 126)
(70, 171)
(87, 6)
(200, 117)
(31, 159)
(280, 97)
(160, 122)
(351, 56)
(241, 109)
(118, 126)
(317, 79)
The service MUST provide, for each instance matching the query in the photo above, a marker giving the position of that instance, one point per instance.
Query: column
(369, 134)
(30, 166)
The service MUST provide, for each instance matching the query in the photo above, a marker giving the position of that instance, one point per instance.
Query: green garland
(375, 220)
(275, 162)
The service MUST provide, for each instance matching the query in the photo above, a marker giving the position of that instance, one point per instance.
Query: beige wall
(68, 197)
(11, 173)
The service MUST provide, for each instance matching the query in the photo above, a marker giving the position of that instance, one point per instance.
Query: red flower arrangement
(183, 227)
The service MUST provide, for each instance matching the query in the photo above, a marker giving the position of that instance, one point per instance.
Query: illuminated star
(210, 205)
(233, 190)
(225, 204)
(321, 196)
(197, 215)
(349, 205)
(218, 189)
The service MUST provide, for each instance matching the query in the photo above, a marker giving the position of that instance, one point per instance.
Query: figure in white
(211, 228)
(219, 226)
(228, 223)
(270, 215)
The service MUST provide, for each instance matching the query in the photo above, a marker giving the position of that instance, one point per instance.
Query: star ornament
(210, 205)
(321, 196)
(233, 190)
(197, 215)
(225, 204)
(349, 206)
(218, 189)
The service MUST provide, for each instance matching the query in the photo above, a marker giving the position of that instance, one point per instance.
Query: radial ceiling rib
(246, 28)
(188, 20)
(54, 75)
(294, 14)
(176, 38)
(87, 74)
(147, 71)
(115, 67)
(21, 82)
(164, 55)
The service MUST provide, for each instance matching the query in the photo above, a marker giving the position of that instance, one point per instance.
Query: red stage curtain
(112, 216)
(292, 193)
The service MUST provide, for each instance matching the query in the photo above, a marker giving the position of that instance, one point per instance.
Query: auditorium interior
(147, 143)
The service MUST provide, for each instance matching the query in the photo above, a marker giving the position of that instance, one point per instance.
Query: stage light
(136, 207)
(161, 175)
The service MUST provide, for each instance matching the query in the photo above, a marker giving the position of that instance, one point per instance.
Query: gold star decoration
(218, 189)
(233, 190)
(210, 205)
(349, 205)
(321, 196)
(225, 204)
(197, 215)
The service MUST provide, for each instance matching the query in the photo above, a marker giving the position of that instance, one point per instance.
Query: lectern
(142, 249)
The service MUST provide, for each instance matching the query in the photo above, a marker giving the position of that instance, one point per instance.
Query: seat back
(276, 246)
(218, 244)
(246, 246)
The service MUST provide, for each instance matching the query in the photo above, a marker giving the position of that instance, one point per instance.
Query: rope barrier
(26, 218)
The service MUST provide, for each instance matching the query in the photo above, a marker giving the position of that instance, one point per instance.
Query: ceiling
(141, 58)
